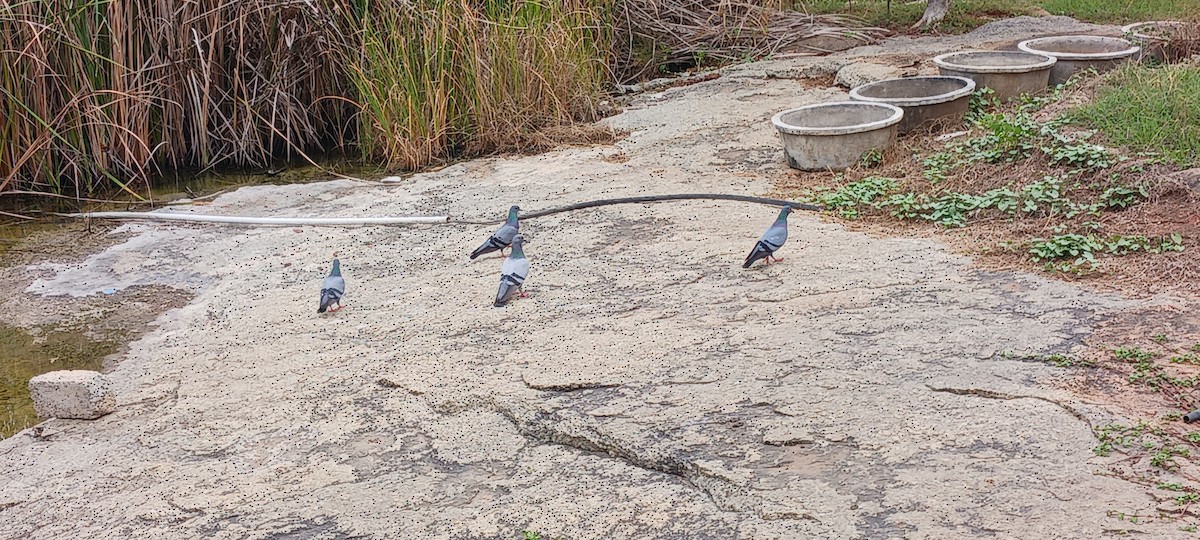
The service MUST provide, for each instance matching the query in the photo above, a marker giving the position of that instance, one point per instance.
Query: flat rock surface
(648, 388)
(858, 74)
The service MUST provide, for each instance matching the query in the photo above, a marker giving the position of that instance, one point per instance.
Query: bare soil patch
(1168, 204)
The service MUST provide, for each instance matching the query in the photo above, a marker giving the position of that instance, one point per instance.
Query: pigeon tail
(508, 289)
(329, 297)
(760, 251)
(492, 244)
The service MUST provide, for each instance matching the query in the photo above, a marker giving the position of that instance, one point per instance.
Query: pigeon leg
(522, 294)
(334, 310)
(777, 259)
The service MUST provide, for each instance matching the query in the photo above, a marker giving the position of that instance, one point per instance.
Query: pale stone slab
(75, 394)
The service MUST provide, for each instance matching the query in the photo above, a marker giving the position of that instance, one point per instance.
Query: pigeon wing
(775, 236)
(771, 240)
(500, 240)
(512, 275)
(332, 290)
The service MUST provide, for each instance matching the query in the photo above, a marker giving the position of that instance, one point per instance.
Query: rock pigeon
(771, 240)
(513, 273)
(503, 237)
(332, 289)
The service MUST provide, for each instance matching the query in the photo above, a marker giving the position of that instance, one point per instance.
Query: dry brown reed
(1182, 39)
(108, 91)
(651, 35)
(111, 92)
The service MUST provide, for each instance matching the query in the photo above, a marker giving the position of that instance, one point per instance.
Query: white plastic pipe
(328, 222)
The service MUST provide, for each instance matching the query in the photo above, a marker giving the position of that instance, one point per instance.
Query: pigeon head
(518, 244)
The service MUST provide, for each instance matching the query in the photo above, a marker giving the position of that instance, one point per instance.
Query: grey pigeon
(771, 240)
(513, 273)
(332, 289)
(503, 237)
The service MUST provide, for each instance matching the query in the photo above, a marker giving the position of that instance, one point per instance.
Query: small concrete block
(75, 394)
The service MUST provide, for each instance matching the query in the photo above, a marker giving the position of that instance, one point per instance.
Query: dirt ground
(996, 242)
(649, 387)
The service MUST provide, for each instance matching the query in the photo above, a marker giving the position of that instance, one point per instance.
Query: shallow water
(178, 187)
(22, 357)
(12, 233)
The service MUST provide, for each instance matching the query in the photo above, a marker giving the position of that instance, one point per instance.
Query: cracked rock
(787, 436)
(563, 381)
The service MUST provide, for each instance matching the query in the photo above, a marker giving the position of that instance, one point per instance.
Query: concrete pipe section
(1007, 73)
(835, 136)
(925, 100)
(1153, 37)
(1076, 53)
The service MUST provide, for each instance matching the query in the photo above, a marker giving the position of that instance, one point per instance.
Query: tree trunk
(935, 11)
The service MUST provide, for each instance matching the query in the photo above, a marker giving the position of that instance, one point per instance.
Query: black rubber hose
(655, 198)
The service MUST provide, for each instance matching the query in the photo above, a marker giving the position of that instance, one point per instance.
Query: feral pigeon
(513, 273)
(332, 289)
(503, 237)
(771, 240)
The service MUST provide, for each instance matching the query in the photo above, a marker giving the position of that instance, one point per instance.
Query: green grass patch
(1074, 253)
(1186, 358)
(1118, 437)
(1122, 11)
(1150, 109)
(847, 199)
(1004, 138)
(965, 15)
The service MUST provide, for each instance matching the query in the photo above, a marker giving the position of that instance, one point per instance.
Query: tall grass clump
(114, 90)
(439, 78)
(59, 101)
(102, 93)
(107, 91)
(547, 66)
(240, 82)
(1155, 109)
